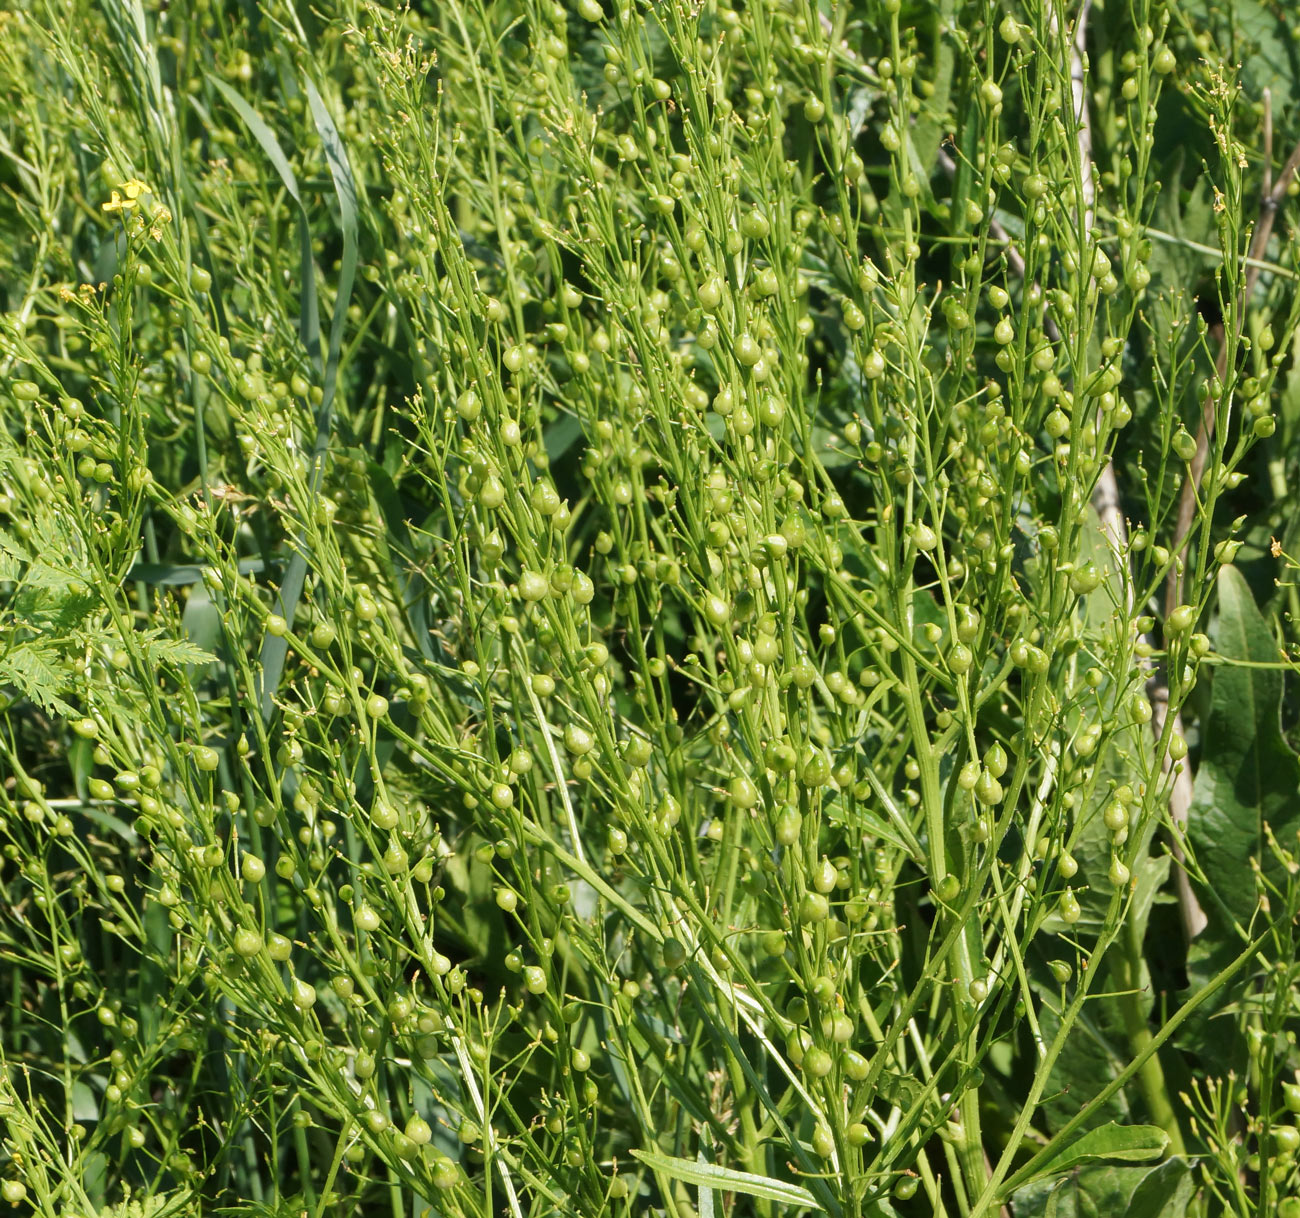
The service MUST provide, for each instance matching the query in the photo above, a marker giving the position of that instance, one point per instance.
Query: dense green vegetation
(649, 607)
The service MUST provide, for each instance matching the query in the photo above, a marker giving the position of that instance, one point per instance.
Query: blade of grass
(274, 650)
(710, 1176)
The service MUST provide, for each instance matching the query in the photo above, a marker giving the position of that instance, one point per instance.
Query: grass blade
(710, 1176)
(275, 650)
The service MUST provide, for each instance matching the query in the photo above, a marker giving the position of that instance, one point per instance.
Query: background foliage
(649, 608)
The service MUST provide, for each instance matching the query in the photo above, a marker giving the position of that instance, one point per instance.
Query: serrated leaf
(901, 1090)
(159, 1205)
(31, 668)
(709, 1175)
(160, 650)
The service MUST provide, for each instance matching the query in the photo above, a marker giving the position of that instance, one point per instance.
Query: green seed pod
(1181, 620)
(788, 826)
(674, 951)
(813, 908)
(247, 943)
(824, 876)
(987, 789)
(817, 1063)
(855, 1066)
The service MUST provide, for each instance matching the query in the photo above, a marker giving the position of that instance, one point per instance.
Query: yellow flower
(160, 218)
(133, 189)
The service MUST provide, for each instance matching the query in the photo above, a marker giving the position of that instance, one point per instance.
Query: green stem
(1151, 1075)
(999, 1185)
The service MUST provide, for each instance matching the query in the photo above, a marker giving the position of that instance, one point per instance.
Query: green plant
(607, 609)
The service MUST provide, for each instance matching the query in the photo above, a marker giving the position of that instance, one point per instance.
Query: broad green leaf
(1112, 1141)
(201, 620)
(1102, 1191)
(1184, 227)
(1092, 1056)
(1097, 1049)
(114, 824)
(1165, 1192)
(397, 554)
(1247, 775)
(85, 1106)
(1262, 43)
(708, 1175)
(561, 436)
(931, 128)
(829, 450)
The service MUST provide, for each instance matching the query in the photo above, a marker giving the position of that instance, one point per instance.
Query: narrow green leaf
(173, 575)
(275, 650)
(261, 133)
(706, 1194)
(345, 190)
(308, 312)
(902, 832)
(708, 1175)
